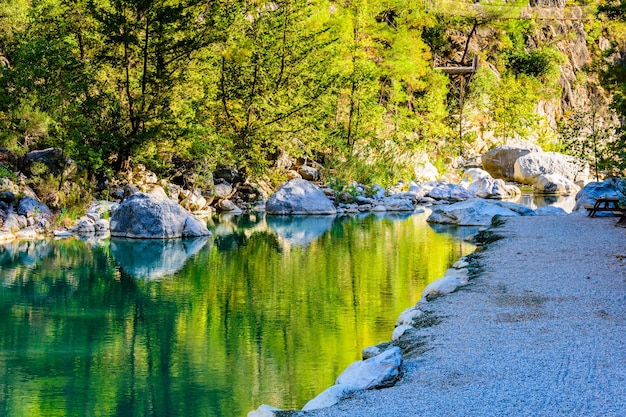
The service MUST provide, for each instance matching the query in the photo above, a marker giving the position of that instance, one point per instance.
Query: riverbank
(542, 331)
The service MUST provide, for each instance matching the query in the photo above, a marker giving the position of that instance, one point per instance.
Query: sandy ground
(541, 332)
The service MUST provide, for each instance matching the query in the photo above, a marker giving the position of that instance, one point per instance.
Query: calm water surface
(269, 310)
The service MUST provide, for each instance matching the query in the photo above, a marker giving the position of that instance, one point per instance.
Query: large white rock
(330, 396)
(500, 161)
(554, 184)
(529, 167)
(476, 212)
(442, 286)
(378, 372)
(154, 216)
(587, 196)
(299, 196)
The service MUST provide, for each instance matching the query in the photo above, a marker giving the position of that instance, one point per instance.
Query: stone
(500, 161)
(554, 184)
(474, 174)
(299, 196)
(154, 216)
(102, 208)
(102, 225)
(462, 274)
(30, 232)
(529, 167)
(85, 225)
(30, 207)
(400, 330)
(14, 222)
(409, 316)
(9, 186)
(194, 201)
(7, 197)
(378, 372)
(61, 234)
(264, 410)
(588, 194)
(425, 171)
(451, 192)
(476, 212)
(347, 198)
(291, 174)
(460, 264)
(371, 351)
(330, 396)
(229, 206)
(397, 204)
(309, 173)
(442, 286)
(223, 190)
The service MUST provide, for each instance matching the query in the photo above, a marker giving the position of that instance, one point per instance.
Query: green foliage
(6, 173)
(350, 84)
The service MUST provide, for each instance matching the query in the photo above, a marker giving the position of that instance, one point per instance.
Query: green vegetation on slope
(350, 84)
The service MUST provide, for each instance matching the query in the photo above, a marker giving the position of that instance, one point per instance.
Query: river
(268, 310)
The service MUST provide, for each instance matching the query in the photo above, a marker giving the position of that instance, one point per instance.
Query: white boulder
(500, 161)
(154, 216)
(299, 196)
(400, 330)
(451, 192)
(442, 286)
(330, 396)
(409, 316)
(587, 196)
(554, 184)
(476, 212)
(378, 372)
(529, 167)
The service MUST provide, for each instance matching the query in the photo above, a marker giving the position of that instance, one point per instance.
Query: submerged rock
(299, 196)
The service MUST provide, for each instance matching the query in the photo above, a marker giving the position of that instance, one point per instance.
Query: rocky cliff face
(563, 28)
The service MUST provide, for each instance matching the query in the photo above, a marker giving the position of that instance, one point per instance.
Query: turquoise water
(268, 310)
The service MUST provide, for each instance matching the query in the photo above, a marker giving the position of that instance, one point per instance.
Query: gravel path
(541, 332)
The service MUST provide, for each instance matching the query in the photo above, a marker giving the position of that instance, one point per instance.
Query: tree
(144, 53)
(274, 77)
(614, 79)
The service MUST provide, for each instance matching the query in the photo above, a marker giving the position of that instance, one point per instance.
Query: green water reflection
(266, 311)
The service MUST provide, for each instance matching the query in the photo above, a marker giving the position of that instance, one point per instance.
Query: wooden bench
(606, 204)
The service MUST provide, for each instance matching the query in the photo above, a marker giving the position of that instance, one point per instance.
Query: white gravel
(541, 332)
